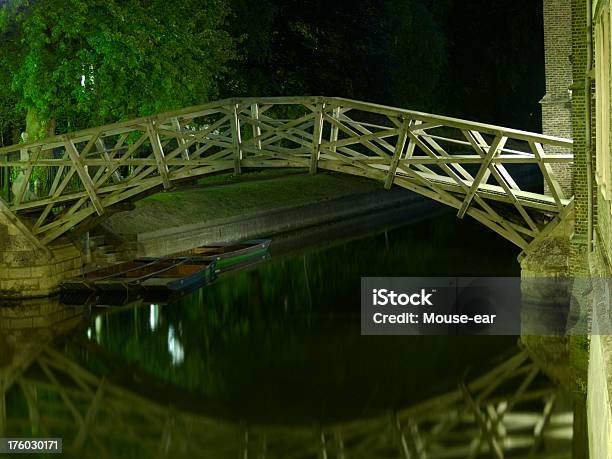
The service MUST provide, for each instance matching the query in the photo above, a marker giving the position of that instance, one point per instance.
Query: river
(278, 345)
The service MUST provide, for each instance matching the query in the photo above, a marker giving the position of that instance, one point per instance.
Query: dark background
(474, 59)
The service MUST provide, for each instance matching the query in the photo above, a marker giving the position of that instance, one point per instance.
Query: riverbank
(252, 205)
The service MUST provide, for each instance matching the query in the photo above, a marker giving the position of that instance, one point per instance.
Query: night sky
(475, 59)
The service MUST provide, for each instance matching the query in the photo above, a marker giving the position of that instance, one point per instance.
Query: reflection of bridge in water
(507, 412)
(474, 167)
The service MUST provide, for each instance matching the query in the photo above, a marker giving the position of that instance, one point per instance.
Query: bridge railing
(482, 170)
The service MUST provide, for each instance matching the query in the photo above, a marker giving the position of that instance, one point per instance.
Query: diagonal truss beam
(77, 163)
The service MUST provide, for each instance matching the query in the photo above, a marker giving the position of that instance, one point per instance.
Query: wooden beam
(84, 176)
(236, 139)
(502, 176)
(158, 152)
(316, 137)
(104, 153)
(90, 144)
(26, 179)
(549, 175)
(180, 140)
(322, 446)
(363, 138)
(256, 125)
(483, 173)
(131, 149)
(446, 168)
(346, 104)
(199, 136)
(499, 158)
(361, 132)
(397, 154)
(333, 134)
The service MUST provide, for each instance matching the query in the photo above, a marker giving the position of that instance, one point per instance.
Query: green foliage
(11, 118)
(87, 62)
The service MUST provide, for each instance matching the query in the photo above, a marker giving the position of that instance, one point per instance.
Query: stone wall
(28, 271)
(540, 308)
(259, 224)
(600, 397)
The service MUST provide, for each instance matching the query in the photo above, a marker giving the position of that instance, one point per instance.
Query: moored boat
(172, 274)
(229, 256)
(180, 271)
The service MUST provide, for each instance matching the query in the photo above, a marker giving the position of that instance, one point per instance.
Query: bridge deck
(477, 168)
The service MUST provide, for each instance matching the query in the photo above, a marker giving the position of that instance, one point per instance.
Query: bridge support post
(333, 134)
(256, 126)
(158, 152)
(236, 139)
(317, 136)
(397, 154)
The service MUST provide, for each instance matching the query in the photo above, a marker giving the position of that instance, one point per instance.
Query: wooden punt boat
(229, 256)
(226, 253)
(172, 274)
(180, 271)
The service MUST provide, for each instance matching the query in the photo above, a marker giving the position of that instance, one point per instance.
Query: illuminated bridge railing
(52, 186)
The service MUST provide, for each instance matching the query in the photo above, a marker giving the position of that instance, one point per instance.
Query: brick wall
(556, 104)
(579, 253)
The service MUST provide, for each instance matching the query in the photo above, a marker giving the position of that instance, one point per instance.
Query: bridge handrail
(198, 110)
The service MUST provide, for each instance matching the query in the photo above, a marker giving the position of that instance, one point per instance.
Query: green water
(277, 344)
(281, 343)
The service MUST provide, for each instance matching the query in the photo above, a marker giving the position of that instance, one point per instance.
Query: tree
(77, 63)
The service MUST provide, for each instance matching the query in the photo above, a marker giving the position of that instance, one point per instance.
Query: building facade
(600, 127)
(591, 242)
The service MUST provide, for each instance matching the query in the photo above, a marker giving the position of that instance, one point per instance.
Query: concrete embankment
(190, 218)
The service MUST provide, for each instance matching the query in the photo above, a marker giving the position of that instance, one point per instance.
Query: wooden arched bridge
(479, 169)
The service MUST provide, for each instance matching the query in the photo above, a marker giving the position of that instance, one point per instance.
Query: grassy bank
(226, 195)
